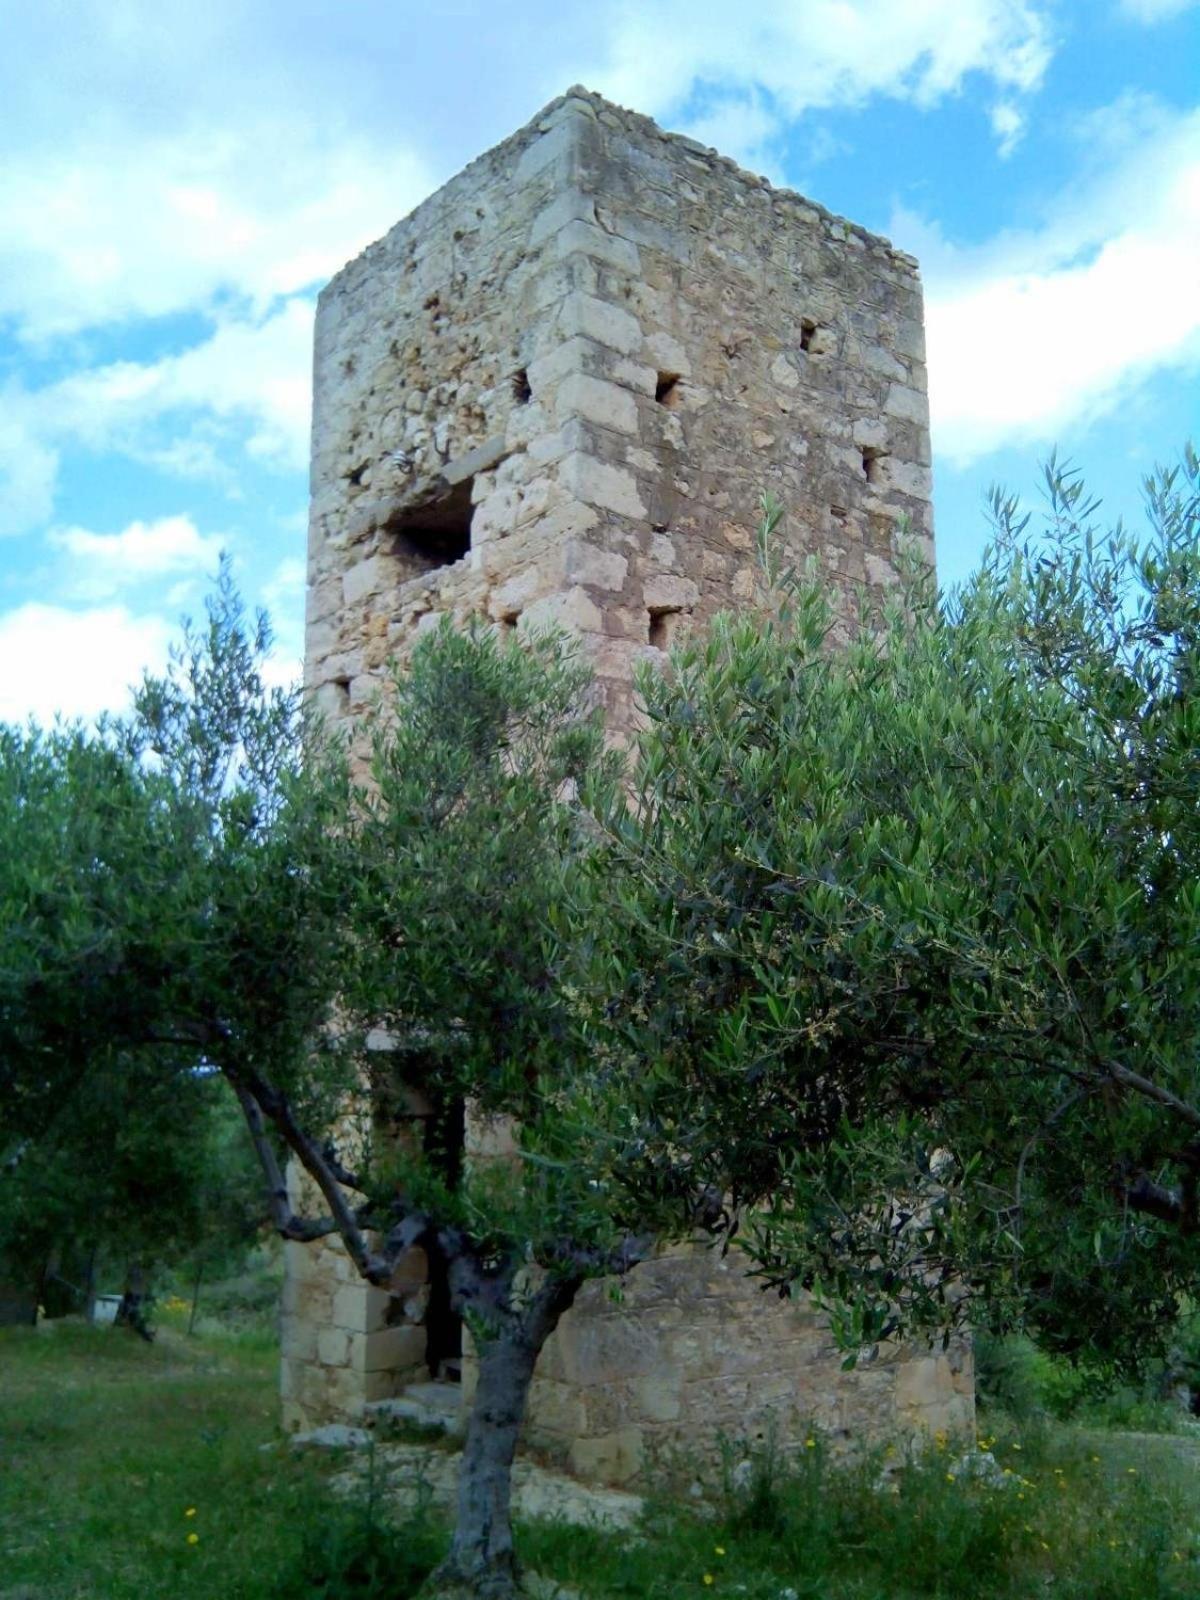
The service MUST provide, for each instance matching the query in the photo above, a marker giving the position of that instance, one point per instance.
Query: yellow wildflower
(190, 1512)
(719, 1549)
(193, 1538)
(709, 1579)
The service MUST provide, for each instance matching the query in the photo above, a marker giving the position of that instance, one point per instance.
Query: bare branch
(1150, 1090)
(285, 1220)
(346, 1220)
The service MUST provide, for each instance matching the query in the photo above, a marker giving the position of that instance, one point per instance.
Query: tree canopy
(878, 953)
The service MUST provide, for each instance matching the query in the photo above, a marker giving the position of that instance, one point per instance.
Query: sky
(177, 181)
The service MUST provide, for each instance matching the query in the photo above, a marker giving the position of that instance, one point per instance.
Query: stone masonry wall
(555, 394)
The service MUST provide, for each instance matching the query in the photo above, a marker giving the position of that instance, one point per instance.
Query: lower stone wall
(342, 1342)
(695, 1352)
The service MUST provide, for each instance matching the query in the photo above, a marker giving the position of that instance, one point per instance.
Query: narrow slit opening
(666, 390)
(522, 393)
(872, 470)
(664, 624)
(807, 328)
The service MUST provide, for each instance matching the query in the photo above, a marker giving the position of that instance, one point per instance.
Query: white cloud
(1156, 10)
(1008, 124)
(252, 372)
(99, 565)
(809, 54)
(246, 386)
(743, 126)
(54, 661)
(28, 467)
(1041, 331)
(123, 227)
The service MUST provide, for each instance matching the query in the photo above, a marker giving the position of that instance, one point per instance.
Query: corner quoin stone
(557, 391)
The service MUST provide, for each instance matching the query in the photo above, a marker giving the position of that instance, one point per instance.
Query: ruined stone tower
(555, 393)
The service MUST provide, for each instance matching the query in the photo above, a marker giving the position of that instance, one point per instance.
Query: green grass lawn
(132, 1470)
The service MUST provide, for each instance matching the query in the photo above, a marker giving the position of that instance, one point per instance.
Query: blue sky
(178, 181)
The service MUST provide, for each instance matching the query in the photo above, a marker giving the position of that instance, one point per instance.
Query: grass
(107, 1444)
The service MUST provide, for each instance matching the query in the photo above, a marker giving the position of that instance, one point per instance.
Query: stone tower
(555, 394)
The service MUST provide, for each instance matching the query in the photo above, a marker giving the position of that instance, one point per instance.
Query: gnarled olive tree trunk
(482, 1561)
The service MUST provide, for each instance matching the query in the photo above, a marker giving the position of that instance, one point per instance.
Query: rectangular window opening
(437, 533)
(871, 465)
(664, 627)
(666, 390)
(807, 328)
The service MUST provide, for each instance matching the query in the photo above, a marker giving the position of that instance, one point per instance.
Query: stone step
(429, 1405)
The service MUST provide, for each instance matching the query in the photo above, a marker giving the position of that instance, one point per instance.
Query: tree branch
(1150, 1090)
(344, 1218)
(287, 1224)
(1155, 1200)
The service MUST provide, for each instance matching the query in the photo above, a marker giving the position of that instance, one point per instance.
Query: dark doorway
(446, 1143)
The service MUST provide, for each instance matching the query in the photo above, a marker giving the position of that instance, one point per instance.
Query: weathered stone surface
(599, 344)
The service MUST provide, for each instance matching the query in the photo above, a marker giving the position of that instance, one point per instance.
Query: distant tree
(162, 917)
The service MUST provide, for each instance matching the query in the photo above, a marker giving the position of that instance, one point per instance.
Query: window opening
(807, 329)
(666, 390)
(664, 625)
(437, 533)
(522, 393)
(872, 471)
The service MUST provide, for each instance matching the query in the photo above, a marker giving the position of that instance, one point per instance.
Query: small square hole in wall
(664, 627)
(522, 393)
(666, 390)
(872, 465)
(437, 533)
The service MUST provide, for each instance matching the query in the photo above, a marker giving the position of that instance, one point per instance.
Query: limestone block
(597, 319)
(359, 1308)
(366, 579)
(603, 403)
(588, 563)
(602, 485)
(585, 238)
(612, 1458)
(668, 353)
(555, 146)
(574, 610)
(398, 1350)
(569, 206)
(784, 373)
(907, 477)
(659, 1397)
(910, 404)
(509, 600)
(333, 1347)
(496, 515)
(298, 1338)
(556, 1409)
(668, 592)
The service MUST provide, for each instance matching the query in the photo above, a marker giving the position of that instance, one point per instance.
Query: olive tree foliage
(913, 933)
(169, 912)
